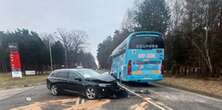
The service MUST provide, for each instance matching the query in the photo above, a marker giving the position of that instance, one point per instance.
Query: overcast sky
(99, 18)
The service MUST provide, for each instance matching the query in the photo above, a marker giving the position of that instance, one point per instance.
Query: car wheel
(54, 90)
(90, 93)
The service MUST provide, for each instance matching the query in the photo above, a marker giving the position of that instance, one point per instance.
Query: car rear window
(60, 73)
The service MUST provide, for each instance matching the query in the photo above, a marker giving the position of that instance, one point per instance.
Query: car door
(75, 82)
(62, 79)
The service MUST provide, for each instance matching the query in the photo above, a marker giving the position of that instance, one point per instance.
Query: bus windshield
(148, 42)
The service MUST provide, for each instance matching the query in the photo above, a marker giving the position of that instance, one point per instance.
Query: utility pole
(50, 54)
(206, 34)
(207, 50)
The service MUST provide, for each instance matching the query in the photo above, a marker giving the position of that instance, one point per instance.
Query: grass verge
(207, 87)
(6, 81)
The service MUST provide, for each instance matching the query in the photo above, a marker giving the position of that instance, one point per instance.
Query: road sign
(15, 61)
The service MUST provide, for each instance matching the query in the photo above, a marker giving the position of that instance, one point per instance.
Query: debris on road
(89, 105)
(147, 99)
(28, 99)
(65, 104)
(141, 106)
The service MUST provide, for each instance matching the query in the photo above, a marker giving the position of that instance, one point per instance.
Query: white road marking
(147, 99)
(187, 92)
(77, 101)
(66, 101)
(82, 101)
(165, 106)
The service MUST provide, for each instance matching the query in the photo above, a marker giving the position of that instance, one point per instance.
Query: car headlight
(103, 85)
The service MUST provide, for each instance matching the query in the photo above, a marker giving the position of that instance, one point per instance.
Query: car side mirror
(112, 74)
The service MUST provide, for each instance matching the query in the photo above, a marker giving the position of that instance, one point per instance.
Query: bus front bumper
(144, 78)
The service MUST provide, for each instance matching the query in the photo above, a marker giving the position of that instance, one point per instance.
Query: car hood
(104, 78)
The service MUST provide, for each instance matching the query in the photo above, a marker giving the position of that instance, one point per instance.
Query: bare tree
(73, 42)
(201, 22)
(47, 38)
(177, 13)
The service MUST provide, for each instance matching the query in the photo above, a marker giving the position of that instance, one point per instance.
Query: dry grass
(6, 81)
(209, 87)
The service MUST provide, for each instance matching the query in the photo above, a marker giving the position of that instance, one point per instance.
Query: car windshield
(87, 73)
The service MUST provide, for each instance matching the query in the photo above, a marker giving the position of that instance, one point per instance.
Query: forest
(67, 50)
(192, 33)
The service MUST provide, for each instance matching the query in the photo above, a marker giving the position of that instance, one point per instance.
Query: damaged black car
(85, 82)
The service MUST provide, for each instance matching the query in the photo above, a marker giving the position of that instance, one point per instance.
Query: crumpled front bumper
(109, 91)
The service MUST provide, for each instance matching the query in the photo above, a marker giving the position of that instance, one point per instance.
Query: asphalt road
(19, 99)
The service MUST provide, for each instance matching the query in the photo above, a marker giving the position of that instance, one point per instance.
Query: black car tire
(90, 93)
(54, 90)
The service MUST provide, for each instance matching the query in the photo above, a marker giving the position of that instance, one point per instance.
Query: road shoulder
(212, 88)
(218, 99)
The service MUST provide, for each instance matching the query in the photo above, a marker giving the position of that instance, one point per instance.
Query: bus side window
(123, 48)
(120, 49)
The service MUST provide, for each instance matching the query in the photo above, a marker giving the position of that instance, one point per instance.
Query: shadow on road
(139, 84)
(123, 94)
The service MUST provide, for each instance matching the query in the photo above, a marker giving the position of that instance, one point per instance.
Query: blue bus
(139, 58)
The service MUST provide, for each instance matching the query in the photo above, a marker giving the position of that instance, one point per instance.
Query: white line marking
(77, 101)
(147, 99)
(82, 101)
(162, 104)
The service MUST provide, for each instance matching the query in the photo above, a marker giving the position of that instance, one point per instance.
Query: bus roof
(145, 33)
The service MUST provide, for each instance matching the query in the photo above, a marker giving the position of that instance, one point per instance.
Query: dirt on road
(65, 104)
(171, 97)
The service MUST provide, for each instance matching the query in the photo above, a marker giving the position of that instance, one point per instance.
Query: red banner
(15, 60)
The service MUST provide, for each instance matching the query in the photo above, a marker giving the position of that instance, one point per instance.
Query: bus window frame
(126, 43)
(120, 49)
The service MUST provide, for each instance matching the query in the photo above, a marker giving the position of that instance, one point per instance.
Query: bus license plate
(156, 71)
(137, 72)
